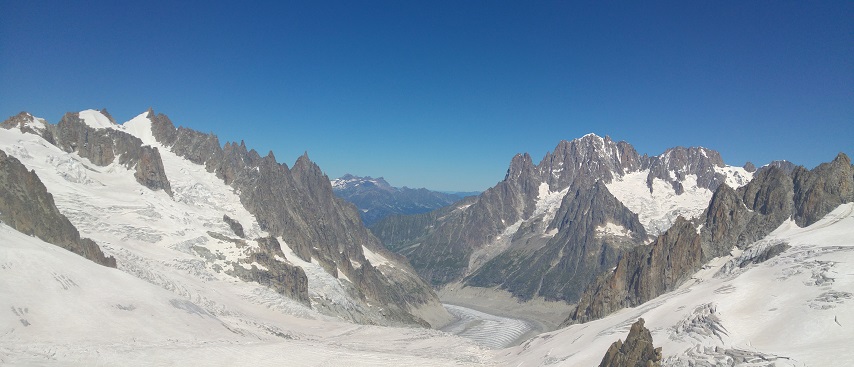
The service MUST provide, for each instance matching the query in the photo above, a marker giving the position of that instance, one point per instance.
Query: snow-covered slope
(175, 298)
(793, 309)
(63, 310)
(179, 243)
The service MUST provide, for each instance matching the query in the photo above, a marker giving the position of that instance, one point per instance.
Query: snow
(657, 210)
(612, 229)
(171, 301)
(548, 202)
(795, 309)
(96, 120)
(735, 176)
(376, 259)
(64, 310)
(36, 123)
(140, 127)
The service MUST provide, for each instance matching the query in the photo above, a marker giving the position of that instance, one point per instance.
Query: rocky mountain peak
(25, 122)
(521, 167)
(590, 157)
(675, 164)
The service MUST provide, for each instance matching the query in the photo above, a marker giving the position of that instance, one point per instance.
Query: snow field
(657, 210)
(62, 309)
(795, 309)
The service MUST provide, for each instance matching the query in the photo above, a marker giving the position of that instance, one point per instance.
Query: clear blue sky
(442, 94)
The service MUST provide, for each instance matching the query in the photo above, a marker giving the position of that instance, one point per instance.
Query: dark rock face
(637, 351)
(683, 161)
(573, 257)
(738, 218)
(298, 205)
(236, 227)
(376, 199)
(819, 191)
(734, 218)
(786, 166)
(590, 157)
(643, 273)
(26, 206)
(749, 167)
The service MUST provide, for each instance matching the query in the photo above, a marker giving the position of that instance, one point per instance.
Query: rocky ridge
(26, 206)
(637, 350)
(734, 219)
(297, 204)
(102, 146)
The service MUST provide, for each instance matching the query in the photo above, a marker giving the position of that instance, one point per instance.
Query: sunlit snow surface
(171, 301)
(657, 210)
(796, 309)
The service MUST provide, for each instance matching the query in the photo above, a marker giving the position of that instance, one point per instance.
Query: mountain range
(146, 243)
(549, 229)
(226, 211)
(376, 199)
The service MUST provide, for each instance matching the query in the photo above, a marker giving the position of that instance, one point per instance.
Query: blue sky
(442, 94)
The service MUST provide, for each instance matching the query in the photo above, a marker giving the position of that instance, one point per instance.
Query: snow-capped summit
(98, 119)
(140, 126)
(349, 181)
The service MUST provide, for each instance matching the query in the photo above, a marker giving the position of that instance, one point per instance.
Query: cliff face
(734, 218)
(26, 206)
(298, 205)
(643, 273)
(819, 191)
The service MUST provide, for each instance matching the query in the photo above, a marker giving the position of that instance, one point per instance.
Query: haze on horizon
(443, 94)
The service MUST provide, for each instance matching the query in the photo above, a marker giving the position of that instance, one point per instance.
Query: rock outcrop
(819, 191)
(674, 164)
(26, 206)
(282, 277)
(636, 351)
(235, 226)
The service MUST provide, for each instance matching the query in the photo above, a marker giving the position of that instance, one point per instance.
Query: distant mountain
(549, 229)
(376, 199)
